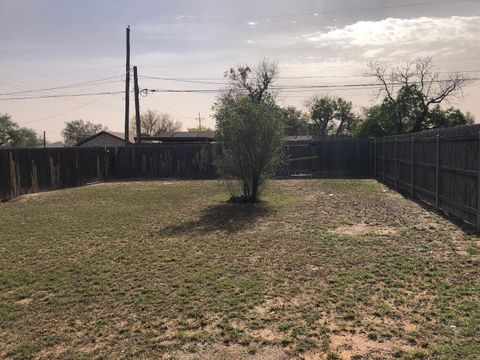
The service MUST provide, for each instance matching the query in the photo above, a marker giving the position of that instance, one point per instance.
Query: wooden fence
(25, 171)
(328, 158)
(441, 168)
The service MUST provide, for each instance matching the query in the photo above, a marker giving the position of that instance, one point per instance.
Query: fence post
(384, 164)
(396, 162)
(437, 172)
(413, 161)
(478, 185)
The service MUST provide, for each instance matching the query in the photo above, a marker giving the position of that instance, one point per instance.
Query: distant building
(105, 139)
(57, 144)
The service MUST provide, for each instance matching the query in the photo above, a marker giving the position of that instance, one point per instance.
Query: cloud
(398, 32)
(252, 23)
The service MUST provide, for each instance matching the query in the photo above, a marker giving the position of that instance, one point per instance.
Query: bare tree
(256, 82)
(416, 86)
(153, 123)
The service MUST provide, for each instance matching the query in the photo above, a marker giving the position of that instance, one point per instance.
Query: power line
(61, 95)
(82, 84)
(297, 87)
(221, 81)
(53, 33)
(62, 113)
(291, 88)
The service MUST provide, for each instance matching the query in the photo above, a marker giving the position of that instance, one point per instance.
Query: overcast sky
(53, 43)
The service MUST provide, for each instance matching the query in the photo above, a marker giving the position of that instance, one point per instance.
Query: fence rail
(441, 168)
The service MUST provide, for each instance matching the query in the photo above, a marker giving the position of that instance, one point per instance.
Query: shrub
(252, 136)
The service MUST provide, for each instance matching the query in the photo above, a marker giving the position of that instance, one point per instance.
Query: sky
(48, 44)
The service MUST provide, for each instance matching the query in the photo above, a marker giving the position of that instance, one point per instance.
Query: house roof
(121, 135)
(118, 135)
(183, 136)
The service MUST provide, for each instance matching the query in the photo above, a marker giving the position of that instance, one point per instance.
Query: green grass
(128, 270)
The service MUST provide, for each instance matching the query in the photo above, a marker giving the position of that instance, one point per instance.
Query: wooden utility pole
(44, 140)
(137, 106)
(127, 89)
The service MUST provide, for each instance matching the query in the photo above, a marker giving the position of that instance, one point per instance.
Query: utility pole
(199, 122)
(127, 88)
(137, 106)
(44, 140)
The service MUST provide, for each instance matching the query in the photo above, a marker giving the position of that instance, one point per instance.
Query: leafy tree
(14, 135)
(443, 118)
(77, 130)
(153, 123)
(295, 121)
(411, 91)
(380, 120)
(252, 135)
(331, 116)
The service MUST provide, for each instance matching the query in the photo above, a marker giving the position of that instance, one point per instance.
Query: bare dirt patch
(348, 345)
(51, 352)
(233, 352)
(362, 229)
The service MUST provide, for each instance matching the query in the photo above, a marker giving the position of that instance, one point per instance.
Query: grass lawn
(321, 269)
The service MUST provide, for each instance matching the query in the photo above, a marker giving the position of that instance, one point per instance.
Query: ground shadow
(227, 217)
(463, 225)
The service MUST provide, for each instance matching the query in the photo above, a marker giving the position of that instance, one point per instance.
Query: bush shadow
(225, 217)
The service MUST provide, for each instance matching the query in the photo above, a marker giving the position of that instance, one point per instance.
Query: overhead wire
(82, 84)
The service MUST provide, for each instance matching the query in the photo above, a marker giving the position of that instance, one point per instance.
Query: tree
(252, 136)
(295, 121)
(14, 135)
(380, 120)
(411, 91)
(255, 82)
(377, 121)
(443, 118)
(77, 130)
(153, 123)
(331, 116)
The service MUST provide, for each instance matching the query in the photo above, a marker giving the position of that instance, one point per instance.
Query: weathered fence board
(440, 167)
